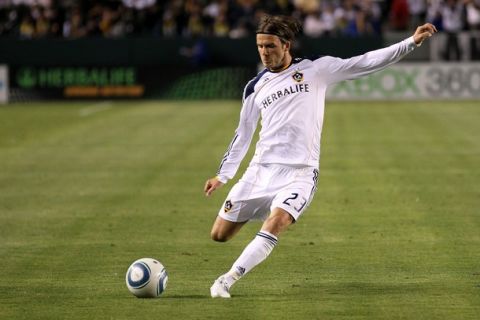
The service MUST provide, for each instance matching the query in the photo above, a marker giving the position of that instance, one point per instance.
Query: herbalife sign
(60, 77)
(413, 81)
(83, 82)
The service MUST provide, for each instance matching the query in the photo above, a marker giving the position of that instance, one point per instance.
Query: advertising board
(413, 81)
(3, 84)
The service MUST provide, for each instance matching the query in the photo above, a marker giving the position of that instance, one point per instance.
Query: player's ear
(287, 46)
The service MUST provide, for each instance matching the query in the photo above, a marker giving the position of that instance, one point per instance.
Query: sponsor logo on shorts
(228, 206)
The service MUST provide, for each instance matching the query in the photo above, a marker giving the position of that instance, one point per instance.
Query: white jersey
(291, 105)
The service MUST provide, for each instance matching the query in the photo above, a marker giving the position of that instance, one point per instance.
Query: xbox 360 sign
(80, 81)
(414, 81)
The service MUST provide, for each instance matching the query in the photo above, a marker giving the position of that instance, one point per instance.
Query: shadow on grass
(187, 296)
(340, 289)
(325, 289)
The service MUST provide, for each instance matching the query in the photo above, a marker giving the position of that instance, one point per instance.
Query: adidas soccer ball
(146, 278)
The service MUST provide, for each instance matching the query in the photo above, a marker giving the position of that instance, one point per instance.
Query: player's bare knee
(219, 236)
(280, 219)
(277, 222)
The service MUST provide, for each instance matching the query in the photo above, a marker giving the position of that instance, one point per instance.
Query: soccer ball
(146, 278)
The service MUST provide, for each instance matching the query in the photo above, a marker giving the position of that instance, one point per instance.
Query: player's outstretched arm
(423, 32)
(211, 185)
(335, 69)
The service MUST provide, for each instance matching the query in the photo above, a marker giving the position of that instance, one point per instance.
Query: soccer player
(289, 97)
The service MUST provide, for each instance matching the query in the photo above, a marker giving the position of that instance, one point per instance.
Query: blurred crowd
(227, 18)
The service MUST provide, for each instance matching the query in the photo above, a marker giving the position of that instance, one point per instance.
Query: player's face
(274, 53)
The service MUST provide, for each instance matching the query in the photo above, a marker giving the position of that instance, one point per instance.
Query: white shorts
(267, 186)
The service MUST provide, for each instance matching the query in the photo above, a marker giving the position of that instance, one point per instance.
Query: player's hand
(423, 32)
(211, 185)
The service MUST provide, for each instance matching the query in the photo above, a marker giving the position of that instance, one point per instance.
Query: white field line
(94, 108)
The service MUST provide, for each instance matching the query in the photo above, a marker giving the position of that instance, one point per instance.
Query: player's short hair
(284, 27)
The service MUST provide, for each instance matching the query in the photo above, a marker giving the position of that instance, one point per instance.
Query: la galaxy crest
(298, 76)
(228, 206)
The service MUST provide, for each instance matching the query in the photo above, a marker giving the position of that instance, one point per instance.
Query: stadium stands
(226, 18)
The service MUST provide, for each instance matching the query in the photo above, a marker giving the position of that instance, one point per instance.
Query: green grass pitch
(86, 188)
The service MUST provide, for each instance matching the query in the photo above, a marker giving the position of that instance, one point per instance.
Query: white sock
(253, 254)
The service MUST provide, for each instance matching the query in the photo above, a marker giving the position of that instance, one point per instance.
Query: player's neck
(287, 63)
